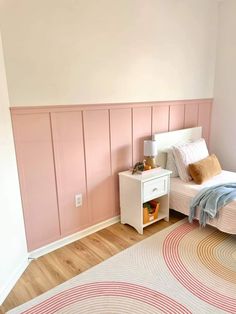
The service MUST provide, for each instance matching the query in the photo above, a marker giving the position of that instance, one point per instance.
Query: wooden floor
(56, 267)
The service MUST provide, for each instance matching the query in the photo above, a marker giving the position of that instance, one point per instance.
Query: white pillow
(171, 164)
(187, 154)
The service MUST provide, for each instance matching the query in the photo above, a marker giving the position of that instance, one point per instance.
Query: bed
(181, 193)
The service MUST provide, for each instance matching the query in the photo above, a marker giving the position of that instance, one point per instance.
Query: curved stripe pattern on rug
(182, 269)
(183, 275)
(148, 300)
(219, 259)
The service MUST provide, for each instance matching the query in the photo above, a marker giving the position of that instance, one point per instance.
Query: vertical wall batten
(132, 134)
(160, 119)
(121, 145)
(141, 130)
(85, 169)
(109, 123)
(55, 172)
(204, 118)
(70, 165)
(111, 161)
(191, 115)
(96, 127)
(176, 117)
(32, 134)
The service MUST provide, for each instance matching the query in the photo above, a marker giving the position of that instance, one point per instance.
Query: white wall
(12, 236)
(223, 135)
(106, 51)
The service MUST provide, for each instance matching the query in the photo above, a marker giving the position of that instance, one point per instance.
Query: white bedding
(181, 194)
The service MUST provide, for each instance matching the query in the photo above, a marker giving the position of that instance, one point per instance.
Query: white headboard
(168, 139)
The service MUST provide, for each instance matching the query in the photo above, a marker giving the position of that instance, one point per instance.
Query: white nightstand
(137, 189)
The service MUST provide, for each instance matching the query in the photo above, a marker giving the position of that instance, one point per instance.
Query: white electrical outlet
(78, 200)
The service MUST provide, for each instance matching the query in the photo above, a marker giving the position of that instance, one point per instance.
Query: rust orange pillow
(204, 169)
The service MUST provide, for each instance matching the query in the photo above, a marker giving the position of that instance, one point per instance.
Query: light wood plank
(56, 267)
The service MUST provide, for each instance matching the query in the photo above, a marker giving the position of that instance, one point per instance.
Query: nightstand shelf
(160, 217)
(135, 190)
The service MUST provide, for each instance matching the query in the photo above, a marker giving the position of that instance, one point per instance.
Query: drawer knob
(155, 189)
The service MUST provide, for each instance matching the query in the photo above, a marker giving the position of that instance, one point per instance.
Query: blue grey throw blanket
(210, 200)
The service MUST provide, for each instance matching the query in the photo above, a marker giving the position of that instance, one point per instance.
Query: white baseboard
(13, 279)
(71, 238)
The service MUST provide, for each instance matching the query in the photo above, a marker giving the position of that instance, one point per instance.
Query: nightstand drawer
(154, 188)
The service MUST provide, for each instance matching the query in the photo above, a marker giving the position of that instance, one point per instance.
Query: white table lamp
(150, 153)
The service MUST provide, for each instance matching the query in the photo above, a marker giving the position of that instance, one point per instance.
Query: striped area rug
(182, 269)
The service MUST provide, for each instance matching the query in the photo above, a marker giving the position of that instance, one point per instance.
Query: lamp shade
(150, 148)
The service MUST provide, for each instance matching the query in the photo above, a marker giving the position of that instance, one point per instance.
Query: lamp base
(150, 161)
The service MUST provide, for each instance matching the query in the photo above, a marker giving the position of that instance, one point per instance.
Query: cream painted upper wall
(223, 140)
(12, 234)
(90, 51)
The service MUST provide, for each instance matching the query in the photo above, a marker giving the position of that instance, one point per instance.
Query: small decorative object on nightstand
(136, 194)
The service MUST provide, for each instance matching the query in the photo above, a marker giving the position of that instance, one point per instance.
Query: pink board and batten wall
(66, 150)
